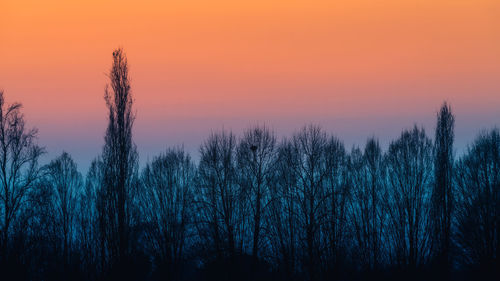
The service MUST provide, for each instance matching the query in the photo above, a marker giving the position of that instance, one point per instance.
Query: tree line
(254, 207)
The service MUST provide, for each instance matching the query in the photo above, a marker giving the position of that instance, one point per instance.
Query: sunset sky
(358, 68)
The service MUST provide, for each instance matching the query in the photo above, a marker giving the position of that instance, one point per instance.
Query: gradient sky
(358, 68)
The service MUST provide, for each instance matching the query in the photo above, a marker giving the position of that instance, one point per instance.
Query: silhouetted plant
(66, 182)
(166, 207)
(283, 221)
(252, 208)
(255, 164)
(367, 214)
(19, 155)
(478, 203)
(442, 194)
(408, 189)
(119, 159)
(219, 218)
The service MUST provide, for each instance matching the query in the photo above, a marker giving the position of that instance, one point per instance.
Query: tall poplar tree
(442, 195)
(119, 159)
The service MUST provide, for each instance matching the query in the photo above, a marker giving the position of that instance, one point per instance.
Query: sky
(358, 68)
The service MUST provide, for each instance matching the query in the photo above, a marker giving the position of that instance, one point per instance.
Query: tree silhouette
(409, 178)
(478, 203)
(166, 207)
(283, 220)
(65, 181)
(367, 216)
(442, 195)
(119, 159)
(91, 221)
(336, 195)
(19, 154)
(220, 223)
(253, 207)
(255, 163)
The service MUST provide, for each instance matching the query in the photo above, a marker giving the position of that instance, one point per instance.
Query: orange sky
(357, 67)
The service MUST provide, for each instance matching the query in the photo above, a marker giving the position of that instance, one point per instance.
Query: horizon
(350, 139)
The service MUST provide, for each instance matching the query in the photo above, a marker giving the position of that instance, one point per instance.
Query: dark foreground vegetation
(253, 208)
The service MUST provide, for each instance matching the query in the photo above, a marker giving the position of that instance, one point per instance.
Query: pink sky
(358, 68)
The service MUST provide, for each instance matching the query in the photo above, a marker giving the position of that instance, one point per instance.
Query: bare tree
(409, 178)
(19, 154)
(36, 236)
(166, 207)
(303, 208)
(90, 220)
(309, 144)
(119, 159)
(66, 182)
(282, 220)
(255, 159)
(442, 195)
(366, 205)
(478, 203)
(336, 196)
(218, 196)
